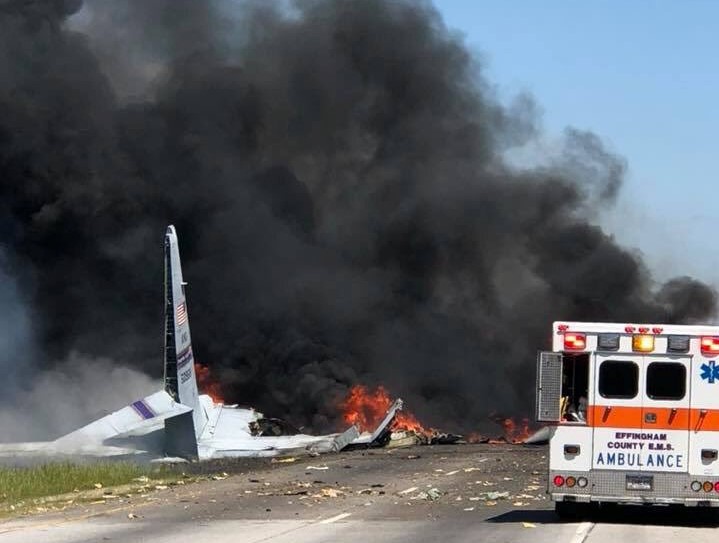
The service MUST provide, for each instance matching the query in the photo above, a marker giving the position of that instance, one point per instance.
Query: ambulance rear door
(616, 410)
(664, 440)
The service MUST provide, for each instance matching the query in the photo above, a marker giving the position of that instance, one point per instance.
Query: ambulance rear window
(618, 379)
(666, 381)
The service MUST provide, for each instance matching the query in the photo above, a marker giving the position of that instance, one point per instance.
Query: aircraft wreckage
(178, 422)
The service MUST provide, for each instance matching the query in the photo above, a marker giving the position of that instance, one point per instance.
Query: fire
(366, 409)
(207, 384)
(513, 432)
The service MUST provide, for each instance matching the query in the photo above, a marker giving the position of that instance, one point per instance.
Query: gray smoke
(17, 342)
(40, 403)
(57, 401)
(336, 173)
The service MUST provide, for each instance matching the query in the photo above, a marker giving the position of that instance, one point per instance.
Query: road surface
(441, 493)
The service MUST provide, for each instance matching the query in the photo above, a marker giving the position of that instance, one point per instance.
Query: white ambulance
(634, 411)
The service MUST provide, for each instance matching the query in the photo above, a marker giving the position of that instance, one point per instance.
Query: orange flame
(366, 409)
(513, 432)
(207, 384)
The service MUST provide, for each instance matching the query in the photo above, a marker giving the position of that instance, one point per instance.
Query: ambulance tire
(570, 510)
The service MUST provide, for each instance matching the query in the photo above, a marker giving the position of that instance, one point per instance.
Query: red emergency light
(710, 345)
(574, 341)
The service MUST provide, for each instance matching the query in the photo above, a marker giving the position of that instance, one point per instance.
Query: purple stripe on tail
(184, 357)
(143, 409)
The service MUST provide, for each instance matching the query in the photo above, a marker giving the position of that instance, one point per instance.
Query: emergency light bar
(710, 345)
(574, 341)
(644, 343)
(608, 342)
(678, 344)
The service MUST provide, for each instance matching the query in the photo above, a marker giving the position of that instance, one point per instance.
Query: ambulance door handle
(700, 420)
(607, 409)
(672, 414)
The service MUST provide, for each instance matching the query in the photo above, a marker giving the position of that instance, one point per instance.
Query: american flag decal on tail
(181, 314)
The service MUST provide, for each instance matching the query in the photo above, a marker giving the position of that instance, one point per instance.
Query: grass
(25, 483)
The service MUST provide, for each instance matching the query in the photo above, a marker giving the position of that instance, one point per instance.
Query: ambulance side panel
(704, 422)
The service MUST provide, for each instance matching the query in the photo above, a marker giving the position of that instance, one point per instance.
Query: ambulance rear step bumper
(614, 486)
(647, 500)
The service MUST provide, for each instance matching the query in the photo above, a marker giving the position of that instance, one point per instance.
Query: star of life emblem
(710, 372)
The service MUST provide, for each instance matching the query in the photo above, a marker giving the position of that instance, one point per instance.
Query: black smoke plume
(336, 173)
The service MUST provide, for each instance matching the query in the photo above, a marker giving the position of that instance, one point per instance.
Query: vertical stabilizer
(180, 379)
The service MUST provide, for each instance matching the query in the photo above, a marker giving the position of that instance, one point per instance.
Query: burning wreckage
(364, 408)
(180, 423)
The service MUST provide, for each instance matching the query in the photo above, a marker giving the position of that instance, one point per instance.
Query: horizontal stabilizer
(142, 415)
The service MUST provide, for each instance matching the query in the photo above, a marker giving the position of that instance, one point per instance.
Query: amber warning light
(643, 343)
(574, 341)
(710, 345)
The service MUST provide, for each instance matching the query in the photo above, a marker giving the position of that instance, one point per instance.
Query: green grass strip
(21, 483)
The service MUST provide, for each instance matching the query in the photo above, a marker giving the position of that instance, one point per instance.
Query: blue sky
(644, 76)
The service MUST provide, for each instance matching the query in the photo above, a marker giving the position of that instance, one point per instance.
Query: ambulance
(633, 412)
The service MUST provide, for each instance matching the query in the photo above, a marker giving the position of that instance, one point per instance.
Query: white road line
(582, 532)
(335, 518)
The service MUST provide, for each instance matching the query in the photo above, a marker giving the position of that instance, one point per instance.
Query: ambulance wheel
(567, 510)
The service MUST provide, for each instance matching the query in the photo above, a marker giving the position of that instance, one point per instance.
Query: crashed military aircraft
(180, 422)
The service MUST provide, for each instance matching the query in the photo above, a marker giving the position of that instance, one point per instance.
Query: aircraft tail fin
(180, 378)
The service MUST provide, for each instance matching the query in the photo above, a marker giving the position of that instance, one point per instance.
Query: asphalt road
(440, 493)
